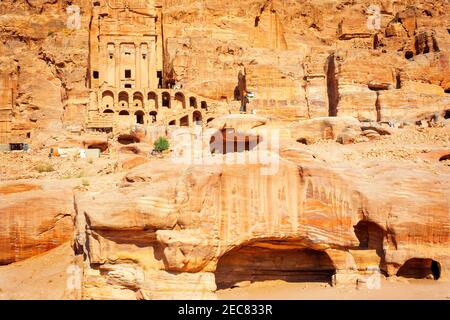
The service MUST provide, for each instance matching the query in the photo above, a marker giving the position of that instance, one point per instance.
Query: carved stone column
(137, 50)
(117, 66)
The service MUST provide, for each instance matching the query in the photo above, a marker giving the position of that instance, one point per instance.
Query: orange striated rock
(33, 221)
(223, 218)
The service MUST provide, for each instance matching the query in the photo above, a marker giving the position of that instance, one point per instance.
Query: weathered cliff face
(152, 229)
(302, 59)
(172, 236)
(315, 58)
(34, 219)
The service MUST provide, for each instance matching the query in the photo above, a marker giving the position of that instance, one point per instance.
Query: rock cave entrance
(420, 269)
(139, 117)
(127, 139)
(371, 236)
(447, 114)
(101, 146)
(265, 262)
(229, 141)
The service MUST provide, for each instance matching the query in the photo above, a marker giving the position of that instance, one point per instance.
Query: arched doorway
(139, 117)
(420, 269)
(166, 100)
(260, 262)
(184, 122)
(107, 99)
(153, 116)
(193, 102)
(153, 100)
(204, 105)
(108, 111)
(173, 123)
(197, 118)
(180, 100)
(123, 99)
(124, 113)
(138, 100)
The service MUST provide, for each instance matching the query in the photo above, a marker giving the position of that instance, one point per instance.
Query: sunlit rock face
(317, 74)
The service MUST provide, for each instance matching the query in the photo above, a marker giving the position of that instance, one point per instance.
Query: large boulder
(311, 131)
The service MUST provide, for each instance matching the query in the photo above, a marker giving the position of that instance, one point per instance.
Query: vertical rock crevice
(332, 86)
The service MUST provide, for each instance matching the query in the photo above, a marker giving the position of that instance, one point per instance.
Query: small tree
(162, 144)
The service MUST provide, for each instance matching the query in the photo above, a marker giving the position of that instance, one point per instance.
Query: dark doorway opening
(166, 100)
(184, 122)
(139, 117)
(153, 116)
(16, 146)
(447, 114)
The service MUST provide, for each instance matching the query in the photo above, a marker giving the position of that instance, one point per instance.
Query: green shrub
(44, 167)
(162, 144)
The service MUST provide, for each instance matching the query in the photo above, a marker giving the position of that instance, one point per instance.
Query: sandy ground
(397, 290)
(44, 277)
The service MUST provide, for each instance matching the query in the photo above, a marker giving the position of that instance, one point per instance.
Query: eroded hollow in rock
(103, 146)
(263, 262)
(445, 158)
(447, 114)
(126, 139)
(229, 141)
(370, 236)
(420, 269)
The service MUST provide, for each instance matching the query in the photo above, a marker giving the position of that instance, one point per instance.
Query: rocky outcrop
(33, 220)
(332, 217)
(311, 131)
